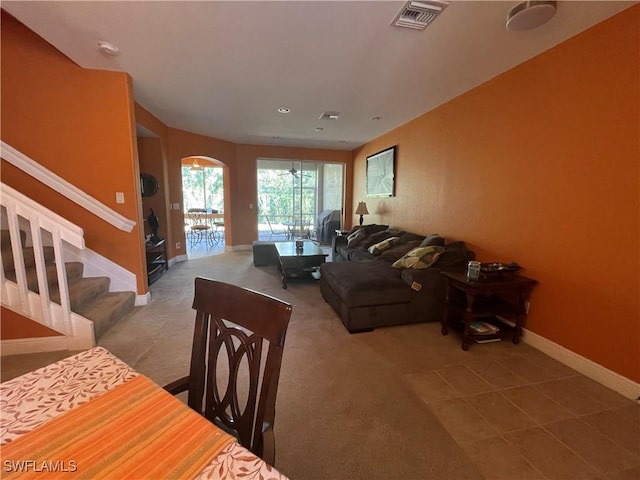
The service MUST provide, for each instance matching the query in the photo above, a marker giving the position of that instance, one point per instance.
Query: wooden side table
(498, 301)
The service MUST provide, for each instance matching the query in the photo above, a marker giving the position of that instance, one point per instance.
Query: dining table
(204, 225)
(93, 416)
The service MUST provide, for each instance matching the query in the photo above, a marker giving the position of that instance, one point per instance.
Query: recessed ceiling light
(377, 117)
(108, 48)
(284, 110)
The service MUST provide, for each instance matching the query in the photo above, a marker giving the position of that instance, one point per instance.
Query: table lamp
(362, 210)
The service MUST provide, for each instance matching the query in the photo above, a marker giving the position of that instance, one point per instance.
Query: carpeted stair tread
(107, 309)
(83, 290)
(89, 296)
(74, 271)
(29, 257)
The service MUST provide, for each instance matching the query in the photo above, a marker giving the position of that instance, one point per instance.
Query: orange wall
(78, 123)
(540, 165)
(14, 325)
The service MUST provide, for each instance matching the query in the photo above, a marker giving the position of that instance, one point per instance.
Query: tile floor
(523, 415)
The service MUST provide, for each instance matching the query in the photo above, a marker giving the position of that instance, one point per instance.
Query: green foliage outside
(203, 188)
(280, 194)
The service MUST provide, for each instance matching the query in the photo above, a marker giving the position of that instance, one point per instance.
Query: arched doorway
(203, 195)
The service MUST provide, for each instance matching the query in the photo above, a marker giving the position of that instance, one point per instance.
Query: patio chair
(275, 233)
(199, 227)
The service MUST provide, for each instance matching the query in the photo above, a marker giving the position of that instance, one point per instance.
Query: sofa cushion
(455, 255)
(397, 251)
(366, 283)
(359, 254)
(359, 234)
(378, 237)
(421, 257)
(410, 237)
(432, 240)
(378, 248)
(356, 237)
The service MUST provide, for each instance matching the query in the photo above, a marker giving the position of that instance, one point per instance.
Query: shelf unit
(157, 260)
(499, 301)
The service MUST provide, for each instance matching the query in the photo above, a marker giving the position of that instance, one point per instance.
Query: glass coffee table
(295, 262)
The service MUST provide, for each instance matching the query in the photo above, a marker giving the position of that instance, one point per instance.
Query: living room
(536, 165)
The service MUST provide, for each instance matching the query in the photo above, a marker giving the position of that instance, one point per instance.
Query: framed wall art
(381, 173)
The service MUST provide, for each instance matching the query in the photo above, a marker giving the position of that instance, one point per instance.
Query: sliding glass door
(293, 194)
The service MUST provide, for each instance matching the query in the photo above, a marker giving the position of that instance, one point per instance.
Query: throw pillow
(377, 237)
(355, 238)
(433, 240)
(397, 251)
(354, 229)
(379, 247)
(421, 257)
(455, 255)
(410, 237)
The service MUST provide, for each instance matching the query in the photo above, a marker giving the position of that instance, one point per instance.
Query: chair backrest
(268, 223)
(273, 232)
(198, 218)
(234, 327)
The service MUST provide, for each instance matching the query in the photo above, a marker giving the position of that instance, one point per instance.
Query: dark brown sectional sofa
(367, 292)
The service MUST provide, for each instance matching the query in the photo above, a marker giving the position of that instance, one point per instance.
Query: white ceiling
(223, 68)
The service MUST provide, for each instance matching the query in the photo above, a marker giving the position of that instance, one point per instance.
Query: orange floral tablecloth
(92, 416)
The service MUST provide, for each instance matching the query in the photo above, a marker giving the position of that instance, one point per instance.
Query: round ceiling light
(528, 15)
(108, 48)
(284, 110)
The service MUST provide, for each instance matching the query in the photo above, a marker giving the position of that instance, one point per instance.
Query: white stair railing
(42, 225)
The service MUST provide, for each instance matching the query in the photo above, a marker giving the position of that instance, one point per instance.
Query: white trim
(589, 368)
(95, 265)
(143, 299)
(177, 259)
(23, 206)
(65, 188)
(237, 248)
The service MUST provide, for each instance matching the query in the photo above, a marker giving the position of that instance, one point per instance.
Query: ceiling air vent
(418, 15)
(329, 115)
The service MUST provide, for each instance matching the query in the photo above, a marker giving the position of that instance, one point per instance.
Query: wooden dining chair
(235, 361)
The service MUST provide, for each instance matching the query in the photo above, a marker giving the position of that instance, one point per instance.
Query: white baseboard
(177, 259)
(95, 265)
(589, 368)
(143, 299)
(237, 248)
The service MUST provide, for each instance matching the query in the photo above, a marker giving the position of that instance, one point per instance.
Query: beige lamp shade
(362, 210)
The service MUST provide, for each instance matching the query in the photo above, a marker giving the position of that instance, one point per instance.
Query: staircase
(89, 297)
(48, 275)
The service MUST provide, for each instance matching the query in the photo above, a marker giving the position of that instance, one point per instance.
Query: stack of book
(484, 328)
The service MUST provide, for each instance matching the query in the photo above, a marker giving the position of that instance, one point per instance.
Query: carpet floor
(399, 403)
(344, 410)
